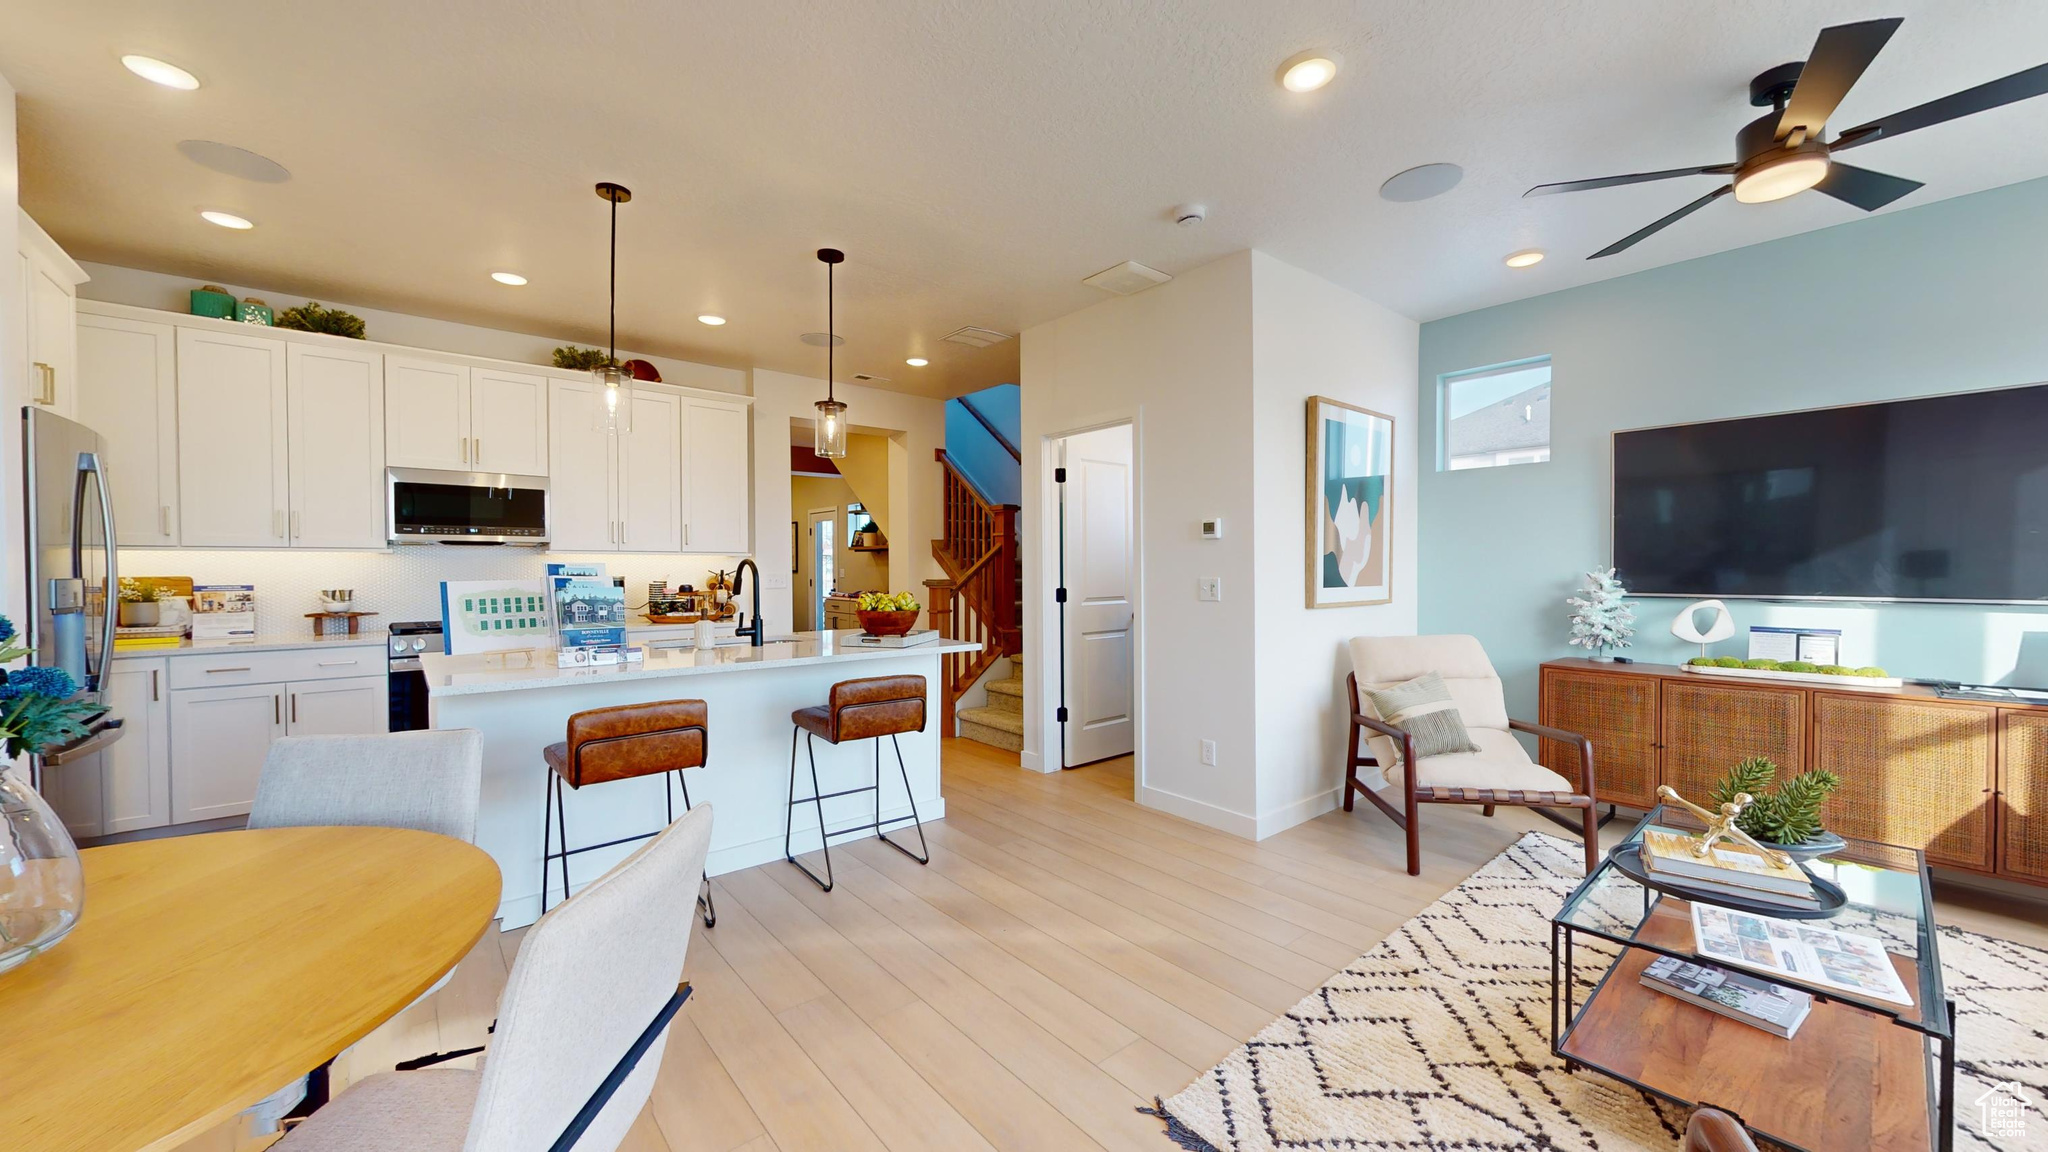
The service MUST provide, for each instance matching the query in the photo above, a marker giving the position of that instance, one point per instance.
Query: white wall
(1176, 361)
(141, 289)
(1313, 338)
(915, 426)
(13, 375)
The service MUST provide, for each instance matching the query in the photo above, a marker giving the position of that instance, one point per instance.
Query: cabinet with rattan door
(2023, 794)
(1914, 772)
(1708, 728)
(1618, 712)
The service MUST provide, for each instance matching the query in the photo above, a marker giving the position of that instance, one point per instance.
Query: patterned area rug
(1440, 1038)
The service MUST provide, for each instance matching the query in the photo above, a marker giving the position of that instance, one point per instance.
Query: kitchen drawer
(225, 669)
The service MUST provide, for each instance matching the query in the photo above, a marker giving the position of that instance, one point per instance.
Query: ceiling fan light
(1775, 179)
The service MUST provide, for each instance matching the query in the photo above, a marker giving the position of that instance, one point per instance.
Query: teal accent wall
(1948, 297)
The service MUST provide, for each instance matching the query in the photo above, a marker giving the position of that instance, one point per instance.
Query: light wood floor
(1066, 957)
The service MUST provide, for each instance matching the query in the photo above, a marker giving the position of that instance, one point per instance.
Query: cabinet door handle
(686, 534)
(338, 663)
(277, 522)
(295, 524)
(477, 450)
(163, 519)
(211, 671)
(154, 696)
(46, 387)
(295, 707)
(275, 706)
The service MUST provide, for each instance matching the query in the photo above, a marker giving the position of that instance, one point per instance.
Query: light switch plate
(776, 581)
(1209, 588)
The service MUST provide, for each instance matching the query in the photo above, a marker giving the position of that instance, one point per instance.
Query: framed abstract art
(1350, 505)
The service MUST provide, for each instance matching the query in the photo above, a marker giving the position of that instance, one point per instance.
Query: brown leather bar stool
(866, 709)
(623, 743)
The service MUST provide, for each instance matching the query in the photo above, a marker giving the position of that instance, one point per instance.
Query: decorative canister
(254, 311)
(213, 301)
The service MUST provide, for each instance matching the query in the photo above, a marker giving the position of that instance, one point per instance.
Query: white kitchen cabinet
(352, 706)
(426, 414)
(508, 422)
(454, 417)
(219, 737)
(650, 470)
(49, 281)
(135, 771)
(335, 433)
(233, 479)
(583, 513)
(716, 477)
(128, 393)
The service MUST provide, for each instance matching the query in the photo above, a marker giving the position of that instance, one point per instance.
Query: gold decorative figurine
(1721, 825)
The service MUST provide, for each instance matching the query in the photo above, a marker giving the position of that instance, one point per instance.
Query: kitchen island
(522, 703)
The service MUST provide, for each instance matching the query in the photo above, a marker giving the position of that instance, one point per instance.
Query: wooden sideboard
(1966, 781)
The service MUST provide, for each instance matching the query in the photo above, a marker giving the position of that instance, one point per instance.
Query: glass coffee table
(1859, 1074)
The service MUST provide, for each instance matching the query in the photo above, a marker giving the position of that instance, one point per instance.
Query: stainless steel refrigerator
(72, 575)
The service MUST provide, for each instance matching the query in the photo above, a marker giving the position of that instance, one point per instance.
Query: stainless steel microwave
(429, 506)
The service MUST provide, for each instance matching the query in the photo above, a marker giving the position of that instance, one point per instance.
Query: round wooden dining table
(209, 971)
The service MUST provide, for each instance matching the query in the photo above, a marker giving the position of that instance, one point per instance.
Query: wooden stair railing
(979, 597)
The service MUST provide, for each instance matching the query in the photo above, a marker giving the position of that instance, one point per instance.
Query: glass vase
(42, 884)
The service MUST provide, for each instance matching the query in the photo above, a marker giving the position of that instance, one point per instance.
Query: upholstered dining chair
(431, 781)
(581, 1026)
(1495, 770)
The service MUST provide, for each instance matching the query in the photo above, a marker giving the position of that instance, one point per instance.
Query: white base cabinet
(219, 737)
(128, 785)
(348, 707)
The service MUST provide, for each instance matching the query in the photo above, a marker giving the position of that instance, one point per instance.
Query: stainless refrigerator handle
(110, 591)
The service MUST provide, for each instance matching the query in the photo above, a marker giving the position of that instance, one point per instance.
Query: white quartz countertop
(528, 669)
(258, 643)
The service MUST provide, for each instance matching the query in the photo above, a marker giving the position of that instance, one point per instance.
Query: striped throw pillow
(1423, 708)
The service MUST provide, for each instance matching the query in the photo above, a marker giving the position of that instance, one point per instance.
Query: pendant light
(614, 413)
(831, 412)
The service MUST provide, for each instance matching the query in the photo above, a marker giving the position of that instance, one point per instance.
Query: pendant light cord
(831, 336)
(613, 339)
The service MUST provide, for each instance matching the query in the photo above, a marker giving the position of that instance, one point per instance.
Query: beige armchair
(1498, 772)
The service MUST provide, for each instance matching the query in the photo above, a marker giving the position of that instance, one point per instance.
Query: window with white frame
(1495, 416)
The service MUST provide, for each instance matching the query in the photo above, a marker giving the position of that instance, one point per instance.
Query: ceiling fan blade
(1635, 178)
(1839, 57)
(1865, 189)
(1970, 101)
(1630, 239)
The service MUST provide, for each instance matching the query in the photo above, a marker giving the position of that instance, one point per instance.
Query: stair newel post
(939, 595)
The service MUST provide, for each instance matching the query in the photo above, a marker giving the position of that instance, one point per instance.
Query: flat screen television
(1940, 498)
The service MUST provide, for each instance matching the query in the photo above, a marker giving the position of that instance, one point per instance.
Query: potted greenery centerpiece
(42, 886)
(887, 613)
(1783, 815)
(138, 604)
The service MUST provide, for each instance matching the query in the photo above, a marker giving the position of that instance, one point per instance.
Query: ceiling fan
(1782, 153)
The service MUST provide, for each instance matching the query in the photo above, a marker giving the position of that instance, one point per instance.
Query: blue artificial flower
(6, 629)
(35, 681)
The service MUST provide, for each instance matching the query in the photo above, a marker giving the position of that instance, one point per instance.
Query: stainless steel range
(410, 639)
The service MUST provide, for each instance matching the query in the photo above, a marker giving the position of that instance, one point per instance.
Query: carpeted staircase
(1001, 723)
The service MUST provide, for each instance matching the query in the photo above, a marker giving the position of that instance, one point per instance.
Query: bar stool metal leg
(547, 831)
(905, 773)
(705, 907)
(816, 797)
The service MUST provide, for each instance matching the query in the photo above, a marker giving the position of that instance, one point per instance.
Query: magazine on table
(1736, 995)
(1797, 951)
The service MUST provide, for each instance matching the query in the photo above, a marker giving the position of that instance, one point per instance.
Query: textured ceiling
(975, 159)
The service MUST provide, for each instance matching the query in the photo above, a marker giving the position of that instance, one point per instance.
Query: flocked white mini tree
(1601, 617)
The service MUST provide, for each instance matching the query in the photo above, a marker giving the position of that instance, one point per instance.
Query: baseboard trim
(1031, 760)
(1300, 812)
(1199, 811)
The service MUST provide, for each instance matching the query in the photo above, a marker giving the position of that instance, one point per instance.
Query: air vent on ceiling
(821, 339)
(975, 337)
(870, 378)
(1126, 278)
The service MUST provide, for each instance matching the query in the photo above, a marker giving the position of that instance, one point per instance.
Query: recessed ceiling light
(708, 318)
(1308, 71)
(917, 361)
(512, 278)
(1524, 258)
(226, 220)
(157, 72)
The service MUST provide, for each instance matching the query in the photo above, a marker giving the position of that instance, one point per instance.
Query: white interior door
(824, 533)
(1097, 562)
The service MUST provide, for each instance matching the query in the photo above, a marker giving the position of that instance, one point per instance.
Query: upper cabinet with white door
(233, 477)
(335, 435)
(49, 282)
(128, 393)
(716, 476)
(617, 493)
(440, 414)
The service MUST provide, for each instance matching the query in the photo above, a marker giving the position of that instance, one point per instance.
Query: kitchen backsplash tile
(401, 584)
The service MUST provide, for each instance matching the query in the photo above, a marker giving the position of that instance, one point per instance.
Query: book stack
(1733, 870)
(152, 636)
(1757, 1003)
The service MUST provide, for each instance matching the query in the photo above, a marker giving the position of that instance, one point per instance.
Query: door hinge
(1060, 714)
(1059, 475)
(1059, 596)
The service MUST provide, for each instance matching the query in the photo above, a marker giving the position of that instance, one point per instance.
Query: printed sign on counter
(494, 615)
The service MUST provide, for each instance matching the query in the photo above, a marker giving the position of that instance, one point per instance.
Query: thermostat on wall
(1212, 529)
